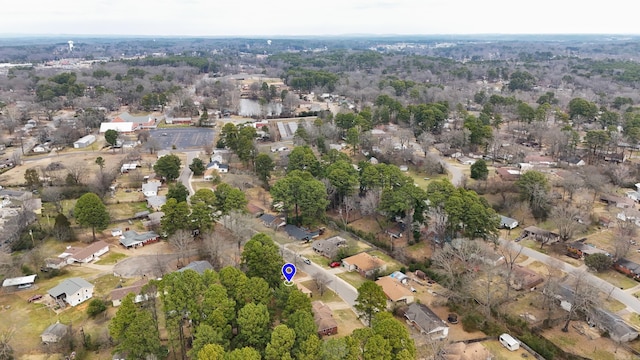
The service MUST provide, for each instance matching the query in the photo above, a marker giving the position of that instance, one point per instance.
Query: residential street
(630, 301)
(186, 173)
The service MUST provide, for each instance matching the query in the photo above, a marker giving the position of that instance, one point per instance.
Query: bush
(540, 345)
(472, 322)
(51, 273)
(599, 262)
(96, 306)
(26, 270)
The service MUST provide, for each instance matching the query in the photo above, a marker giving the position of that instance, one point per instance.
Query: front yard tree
(599, 262)
(262, 258)
(301, 193)
(228, 199)
(175, 214)
(111, 137)
(197, 166)
(178, 191)
(264, 166)
(534, 189)
(168, 167)
(370, 301)
(479, 170)
(32, 178)
(90, 211)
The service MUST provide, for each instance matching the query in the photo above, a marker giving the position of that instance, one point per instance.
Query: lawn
(328, 296)
(347, 322)
(104, 284)
(617, 279)
(123, 211)
(111, 258)
(613, 305)
(352, 278)
(392, 265)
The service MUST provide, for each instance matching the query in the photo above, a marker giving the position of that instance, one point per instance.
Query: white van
(509, 342)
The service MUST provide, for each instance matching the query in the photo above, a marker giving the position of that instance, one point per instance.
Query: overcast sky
(317, 17)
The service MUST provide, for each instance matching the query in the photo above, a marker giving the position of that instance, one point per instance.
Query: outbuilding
(85, 141)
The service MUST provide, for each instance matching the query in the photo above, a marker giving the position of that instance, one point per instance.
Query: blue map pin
(288, 270)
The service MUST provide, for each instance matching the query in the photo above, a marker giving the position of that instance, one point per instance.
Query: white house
(73, 291)
(218, 166)
(86, 254)
(40, 149)
(84, 141)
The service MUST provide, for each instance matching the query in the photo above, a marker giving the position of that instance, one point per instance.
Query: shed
(19, 281)
(54, 333)
(85, 141)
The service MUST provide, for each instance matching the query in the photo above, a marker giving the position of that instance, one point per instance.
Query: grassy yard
(125, 210)
(617, 279)
(327, 296)
(352, 278)
(392, 265)
(104, 284)
(347, 322)
(613, 305)
(111, 258)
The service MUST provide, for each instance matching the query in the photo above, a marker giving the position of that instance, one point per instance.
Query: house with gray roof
(139, 122)
(198, 266)
(508, 223)
(73, 291)
(329, 248)
(156, 202)
(426, 321)
(299, 233)
(618, 330)
(132, 239)
(54, 333)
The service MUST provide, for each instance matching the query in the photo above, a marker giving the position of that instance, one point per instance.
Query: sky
(317, 17)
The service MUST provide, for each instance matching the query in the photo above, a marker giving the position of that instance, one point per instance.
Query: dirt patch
(580, 340)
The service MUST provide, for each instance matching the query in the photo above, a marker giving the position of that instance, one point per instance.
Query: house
(508, 174)
(540, 234)
(627, 267)
(218, 166)
(633, 195)
(615, 157)
(574, 161)
(524, 278)
(138, 122)
(120, 127)
(209, 174)
(466, 160)
(364, 263)
(617, 201)
(396, 230)
(151, 188)
(118, 294)
(85, 255)
(73, 291)
(54, 333)
(178, 121)
(323, 317)
(583, 250)
(85, 141)
(508, 223)
(154, 220)
(329, 248)
(631, 215)
(156, 202)
(396, 292)
(198, 266)
(299, 233)
(452, 153)
(132, 239)
(537, 160)
(41, 148)
(271, 221)
(21, 282)
(15, 194)
(617, 329)
(426, 321)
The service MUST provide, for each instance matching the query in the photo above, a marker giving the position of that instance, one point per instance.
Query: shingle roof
(69, 286)
(424, 317)
(56, 329)
(198, 266)
(364, 261)
(130, 238)
(84, 253)
(297, 233)
(393, 289)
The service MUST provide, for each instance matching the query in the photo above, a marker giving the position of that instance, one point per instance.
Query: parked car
(34, 298)
(306, 261)
(335, 264)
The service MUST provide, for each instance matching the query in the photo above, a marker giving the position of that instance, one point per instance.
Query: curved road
(630, 301)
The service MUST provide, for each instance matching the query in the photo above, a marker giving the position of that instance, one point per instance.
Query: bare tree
(566, 217)
(511, 252)
(438, 220)
(322, 281)
(426, 141)
(183, 242)
(6, 351)
(143, 136)
(584, 296)
(239, 224)
(152, 145)
(571, 184)
(76, 173)
(454, 263)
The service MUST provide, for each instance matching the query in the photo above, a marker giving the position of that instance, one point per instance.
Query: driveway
(346, 291)
(186, 173)
(630, 301)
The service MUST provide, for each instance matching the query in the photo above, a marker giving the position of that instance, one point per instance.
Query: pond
(250, 107)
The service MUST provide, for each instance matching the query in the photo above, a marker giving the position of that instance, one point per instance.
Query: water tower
(70, 45)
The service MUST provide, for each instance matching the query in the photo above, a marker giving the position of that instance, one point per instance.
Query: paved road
(456, 172)
(630, 301)
(186, 174)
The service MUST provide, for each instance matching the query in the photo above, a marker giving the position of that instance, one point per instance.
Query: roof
(22, 280)
(393, 289)
(586, 248)
(117, 126)
(424, 317)
(69, 286)
(156, 201)
(84, 253)
(151, 186)
(121, 293)
(507, 221)
(267, 218)
(398, 276)
(87, 138)
(298, 233)
(364, 261)
(329, 245)
(323, 316)
(126, 117)
(635, 267)
(612, 323)
(130, 238)
(56, 329)
(198, 266)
